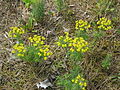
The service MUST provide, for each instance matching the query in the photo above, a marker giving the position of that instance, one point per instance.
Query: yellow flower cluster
(81, 81)
(19, 49)
(44, 51)
(38, 42)
(74, 44)
(15, 31)
(82, 25)
(104, 23)
(64, 41)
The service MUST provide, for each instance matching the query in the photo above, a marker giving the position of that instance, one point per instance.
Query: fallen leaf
(44, 84)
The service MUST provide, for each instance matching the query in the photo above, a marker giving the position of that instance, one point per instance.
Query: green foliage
(107, 61)
(118, 31)
(83, 34)
(73, 80)
(98, 34)
(65, 80)
(29, 25)
(31, 54)
(29, 1)
(38, 10)
(116, 77)
(75, 56)
(104, 6)
(60, 5)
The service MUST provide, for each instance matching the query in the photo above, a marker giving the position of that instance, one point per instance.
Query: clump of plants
(104, 24)
(82, 25)
(79, 80)
(72, 80)
(75, 47)
(36, 50)
(38, 10)
(69, 83)
(94, 29)
(82, 29)
(73, 44)
(16, 32)
(106, 62)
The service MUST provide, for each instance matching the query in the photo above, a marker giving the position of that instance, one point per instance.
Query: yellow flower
(13, 51)
(87, 26)
(78, 77)
(66, 33)
(30, 38)
(45, 54)
(15, 31)
(15, 46)
(58, 43)
(43, 38)
(71, 49)
(19, 50)
(41, 42)
(14, 36)
(74, 41)
(61, 37)
(41, 50)
(104, 23)
(74, 44)
(82, 50)
(78, 49)
(83, 88)
(46, 50)
(81, 84)
(65, 40)
(47, 46)
(20, 54)
(64, 45)
(35, 44)
(85, 84)
(70, 44)
(109, 27)
(82, 79)
(39, 54)
(98, 22)
(24, 50)
(73, 80)
(35, 35)
(78, 43)
(49, 53)
(45, 58)
(35, 39)
(76, 81)
(82, 25)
